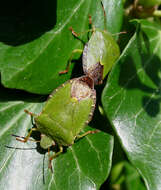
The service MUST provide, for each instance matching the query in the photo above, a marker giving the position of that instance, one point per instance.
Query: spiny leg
(87, 133)
(70, 60)
(54, 156)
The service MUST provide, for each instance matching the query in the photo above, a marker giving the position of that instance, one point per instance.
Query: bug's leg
(25, 139)
(54, 156)
(70, 60)
(31, 114)
(91, 25)
(87, 133)
(21, 137)
(73, 32)
(49, 165)
(80, 33)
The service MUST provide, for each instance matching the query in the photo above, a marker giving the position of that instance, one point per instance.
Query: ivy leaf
(132, 101)
(84, 165)
(125, 176)
(133, 179)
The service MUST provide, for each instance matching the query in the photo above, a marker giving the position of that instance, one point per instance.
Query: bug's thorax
(82, 88)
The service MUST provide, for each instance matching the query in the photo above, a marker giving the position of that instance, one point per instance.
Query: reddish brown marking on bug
(90, 19)
(96, 73)
(87, 80)
(73, 32)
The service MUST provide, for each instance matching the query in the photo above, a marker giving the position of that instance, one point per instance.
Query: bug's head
(46, 142)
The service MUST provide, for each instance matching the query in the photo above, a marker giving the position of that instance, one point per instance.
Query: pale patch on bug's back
(80, 91)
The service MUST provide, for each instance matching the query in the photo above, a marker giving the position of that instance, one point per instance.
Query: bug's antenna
(43, 169)
(104, 13)
(123, 32)
(16, 148)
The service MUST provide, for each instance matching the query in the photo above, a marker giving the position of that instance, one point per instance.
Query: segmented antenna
(105, 19)
(17, 148)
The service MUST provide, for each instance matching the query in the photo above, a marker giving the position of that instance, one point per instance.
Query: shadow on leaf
(24, 21)
(144, 78)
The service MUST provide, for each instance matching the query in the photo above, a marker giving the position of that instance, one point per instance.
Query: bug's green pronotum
(69, 108)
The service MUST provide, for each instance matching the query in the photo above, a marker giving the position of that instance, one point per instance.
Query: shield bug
(99, 54)
(69, 108)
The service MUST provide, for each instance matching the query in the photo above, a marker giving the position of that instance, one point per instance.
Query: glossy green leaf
(34, 66)
(132, 101)
(125, 177)
(133, 179)
(85, 165)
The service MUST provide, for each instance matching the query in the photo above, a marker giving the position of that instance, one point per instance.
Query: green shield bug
(69, 108)
(99, 54)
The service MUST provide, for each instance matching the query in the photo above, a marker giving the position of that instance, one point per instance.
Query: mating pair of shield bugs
(71, 106)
